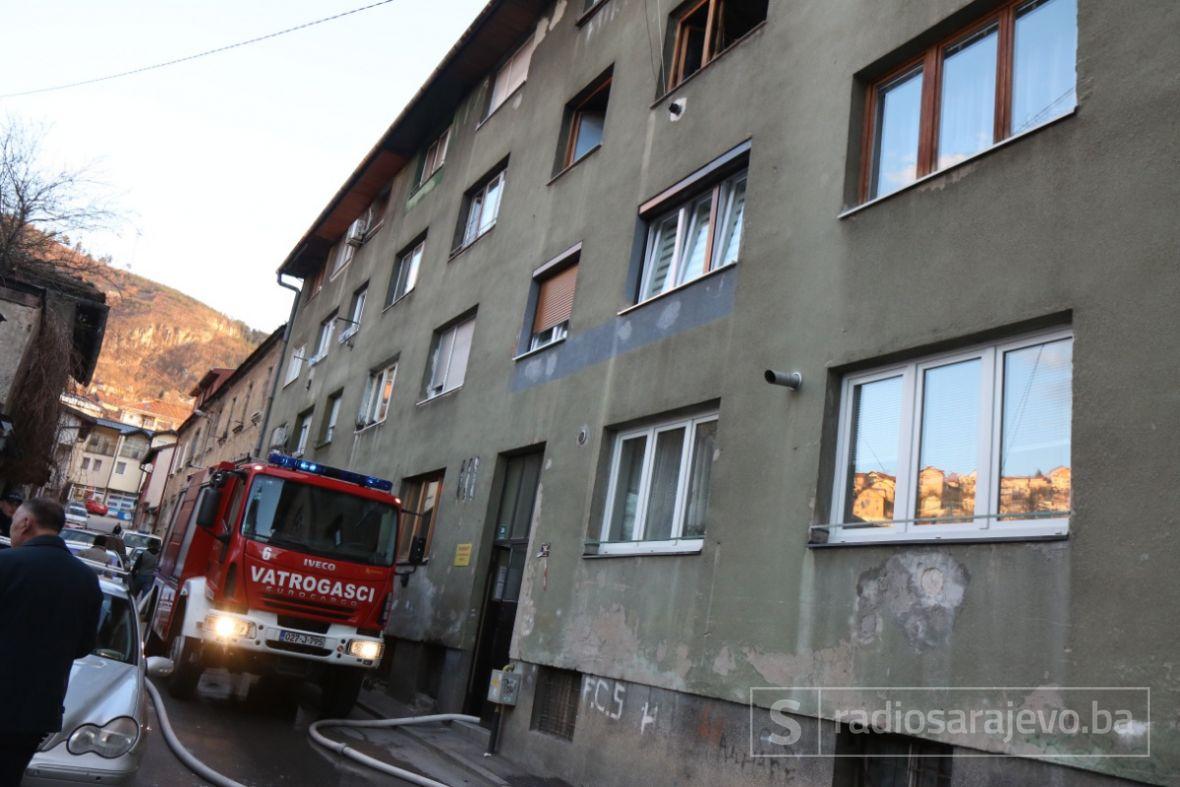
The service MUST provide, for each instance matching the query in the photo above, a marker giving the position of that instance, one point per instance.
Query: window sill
(438, 396)
(749, 34)
(288, 382)
(541, 349)
(369, 427)
(677, 288)
(456, 252)
(1026, 530)
(945, 170)
(589, 12)
(574, 163)
(674, 546)
(396, 301)
(501, 105)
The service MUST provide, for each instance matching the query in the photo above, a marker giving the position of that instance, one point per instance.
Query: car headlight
(113, 739)
(228, 627)
(365, 649)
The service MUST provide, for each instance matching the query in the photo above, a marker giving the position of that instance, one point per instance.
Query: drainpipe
(274, 385)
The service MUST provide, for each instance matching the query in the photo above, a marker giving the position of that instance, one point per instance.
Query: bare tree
(41, 205)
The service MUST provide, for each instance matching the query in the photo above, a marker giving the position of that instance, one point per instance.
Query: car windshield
(77, 536)
(139, 540)
(76, 508)
(317, 520)
(116, 630)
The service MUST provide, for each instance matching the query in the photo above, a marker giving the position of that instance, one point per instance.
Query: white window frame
(682, 209)
(499, 92)
(295, 364)
(411, 259)
(436, 363)
(435, 156)
(332, 417)
(374, 408)
(119, 464)
(637, 545)
(324, 339)
(303, 425)
(984, 526)
(551, 335)
(356, 311)
(474, 226)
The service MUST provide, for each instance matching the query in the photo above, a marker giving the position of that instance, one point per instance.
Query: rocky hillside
(159, 341)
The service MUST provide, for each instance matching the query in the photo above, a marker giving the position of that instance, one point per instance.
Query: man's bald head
(37, 517)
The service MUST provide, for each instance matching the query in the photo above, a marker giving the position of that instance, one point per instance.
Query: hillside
(159, 342)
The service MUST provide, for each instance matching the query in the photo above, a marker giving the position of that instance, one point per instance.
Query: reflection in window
(970, 445)
(948, 457)
(895, 161)
(967, 116)
(1029, 47)
(872, 461)
(1035, 477)
(1044, 74)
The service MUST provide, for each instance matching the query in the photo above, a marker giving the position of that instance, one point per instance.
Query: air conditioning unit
(356, 240)
(278, 437)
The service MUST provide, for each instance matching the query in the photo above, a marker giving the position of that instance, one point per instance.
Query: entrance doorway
(510, 542)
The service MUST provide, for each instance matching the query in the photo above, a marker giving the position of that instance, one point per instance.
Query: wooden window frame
(577, 111)
(930, 62)
(410, 506)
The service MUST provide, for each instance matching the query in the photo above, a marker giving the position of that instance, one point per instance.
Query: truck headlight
(113, 739)
(228, 627)
(365, 649)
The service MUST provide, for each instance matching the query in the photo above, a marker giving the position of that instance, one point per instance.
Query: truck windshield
(311, 519)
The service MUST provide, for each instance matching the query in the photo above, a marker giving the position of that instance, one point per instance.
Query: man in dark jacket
(49, 608)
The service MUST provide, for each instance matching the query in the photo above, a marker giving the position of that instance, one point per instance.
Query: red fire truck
(281, 568)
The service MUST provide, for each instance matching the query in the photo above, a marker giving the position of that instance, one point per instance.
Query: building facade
(225, 423)
(552, 305)
(108, 468)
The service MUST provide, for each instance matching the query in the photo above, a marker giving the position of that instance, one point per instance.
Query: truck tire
(186, 660)
(340, 688)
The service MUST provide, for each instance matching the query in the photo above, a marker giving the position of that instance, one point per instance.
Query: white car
(104, 731)
(76, 514)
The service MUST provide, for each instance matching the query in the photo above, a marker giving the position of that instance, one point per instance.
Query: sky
(216, 167)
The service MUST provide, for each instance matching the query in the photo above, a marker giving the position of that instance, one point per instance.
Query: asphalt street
(259, 740)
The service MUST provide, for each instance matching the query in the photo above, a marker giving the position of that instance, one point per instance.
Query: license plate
(299, 638)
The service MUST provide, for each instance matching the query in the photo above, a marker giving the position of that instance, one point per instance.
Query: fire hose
(343, 749)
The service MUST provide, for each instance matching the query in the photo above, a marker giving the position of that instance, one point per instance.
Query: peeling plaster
(920, 592)
(825, 667)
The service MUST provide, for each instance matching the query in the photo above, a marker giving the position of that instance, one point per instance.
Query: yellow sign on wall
(463, 554)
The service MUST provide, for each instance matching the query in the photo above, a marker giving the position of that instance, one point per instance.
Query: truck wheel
(341, 686)
(186, 667)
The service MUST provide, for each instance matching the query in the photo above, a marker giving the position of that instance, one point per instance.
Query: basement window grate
(867, 758)
(555, 703)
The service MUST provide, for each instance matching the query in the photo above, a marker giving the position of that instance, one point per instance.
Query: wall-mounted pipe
(790, 380)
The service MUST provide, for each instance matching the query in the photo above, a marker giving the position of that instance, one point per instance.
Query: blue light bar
(292, 463)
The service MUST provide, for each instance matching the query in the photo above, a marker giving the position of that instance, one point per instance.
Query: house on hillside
(108, 468)
(51, 331)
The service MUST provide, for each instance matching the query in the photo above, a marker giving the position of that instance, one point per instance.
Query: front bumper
(259, 632)
(57, 767)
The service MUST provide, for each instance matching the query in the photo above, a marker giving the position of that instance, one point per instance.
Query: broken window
(700, 30)
(970, 444)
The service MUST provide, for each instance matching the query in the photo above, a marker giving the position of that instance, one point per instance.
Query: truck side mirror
(417, 554)
(207, 508)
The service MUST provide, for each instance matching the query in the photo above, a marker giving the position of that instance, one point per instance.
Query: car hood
(100, 689)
